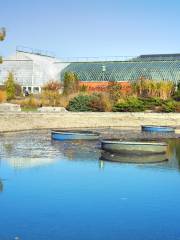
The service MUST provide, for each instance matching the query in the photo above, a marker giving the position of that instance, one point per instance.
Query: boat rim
(69, 132)
(133, 143)
(156, 126)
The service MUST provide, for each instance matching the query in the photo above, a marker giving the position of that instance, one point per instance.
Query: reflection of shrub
(131, 104)
(2, 96)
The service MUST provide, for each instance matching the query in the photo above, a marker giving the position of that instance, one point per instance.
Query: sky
(91, 28)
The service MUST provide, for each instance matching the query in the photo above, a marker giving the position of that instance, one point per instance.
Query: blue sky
(71, 28)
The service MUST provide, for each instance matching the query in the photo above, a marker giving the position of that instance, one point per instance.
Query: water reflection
(64, 200)
(34, 149)
(131, 158)
(78, 150)
(1, 186)
(27, 150)
(174, 152)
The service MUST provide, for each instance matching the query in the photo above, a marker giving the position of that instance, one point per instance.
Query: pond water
(61, 190)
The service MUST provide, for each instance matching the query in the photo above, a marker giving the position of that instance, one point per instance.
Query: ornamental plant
(146, 88)
(10, 87)
(131, 104)
(71, 83)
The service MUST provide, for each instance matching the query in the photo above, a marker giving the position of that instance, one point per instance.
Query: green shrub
(80, 103)
(10, 87)
(177, 96)
(131, 104)
(151, 103)
(89, 103)
(71, 83)
(169, 106)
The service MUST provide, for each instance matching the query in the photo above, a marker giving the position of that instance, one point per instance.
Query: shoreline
(20, 121)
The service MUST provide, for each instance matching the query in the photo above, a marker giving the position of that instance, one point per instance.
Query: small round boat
(131, 158)
(158, 129)
(133, 147)
(63, 135)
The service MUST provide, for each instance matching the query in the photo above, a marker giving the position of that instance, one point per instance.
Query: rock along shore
(17, 121)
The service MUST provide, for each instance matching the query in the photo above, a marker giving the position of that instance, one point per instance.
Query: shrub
(50, 98)
(146, 88)
(169, 106)
(130, 104)
(80, 103)
(10, 87)
(52, 86)
(151, 103)
(96, 102)
(100, 102)
(83, 88)
(71, 83)
(177, 107)
(30, 102)
(114, 90)
(18, 90)
(2, 96)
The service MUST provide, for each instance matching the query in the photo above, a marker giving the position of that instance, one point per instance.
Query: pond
(62, 190)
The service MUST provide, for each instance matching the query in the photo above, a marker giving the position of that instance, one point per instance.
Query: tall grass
(152, 88)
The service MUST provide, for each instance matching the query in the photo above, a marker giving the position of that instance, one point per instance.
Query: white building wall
(31, 70)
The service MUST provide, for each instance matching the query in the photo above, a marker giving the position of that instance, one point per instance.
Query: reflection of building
(29, 162)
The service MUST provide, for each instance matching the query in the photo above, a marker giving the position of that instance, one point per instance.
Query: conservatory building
(32, 69)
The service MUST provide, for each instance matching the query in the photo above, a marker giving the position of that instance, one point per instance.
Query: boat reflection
(80, 150)
(132, 158)
(1, 186)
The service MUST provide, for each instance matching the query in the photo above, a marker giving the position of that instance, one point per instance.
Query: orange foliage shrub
(2, 96)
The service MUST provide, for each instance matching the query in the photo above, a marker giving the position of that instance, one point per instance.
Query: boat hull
(152, 128)
(133, 147)
(68, 135)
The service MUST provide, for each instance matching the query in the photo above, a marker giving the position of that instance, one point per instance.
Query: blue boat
(64, 135)
(158, 129)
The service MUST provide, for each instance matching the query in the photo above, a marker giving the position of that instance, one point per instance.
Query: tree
(2, 36)
(71, 83)
(10, 86)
